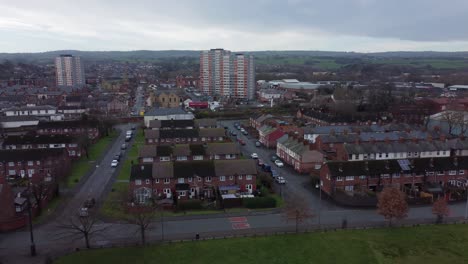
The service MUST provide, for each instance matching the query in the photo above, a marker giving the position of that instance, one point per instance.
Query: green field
(427, 244)
(83, 165)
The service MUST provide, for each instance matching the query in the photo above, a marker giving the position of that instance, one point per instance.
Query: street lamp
(31, 234)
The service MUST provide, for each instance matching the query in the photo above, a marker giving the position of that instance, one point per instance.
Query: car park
(279, 163)
(114, 163)
(254, 156)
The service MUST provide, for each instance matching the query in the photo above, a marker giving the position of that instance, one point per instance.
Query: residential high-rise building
(69, 71)
(227, 75)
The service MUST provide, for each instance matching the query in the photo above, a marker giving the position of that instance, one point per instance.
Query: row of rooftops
(382, 136)
(186, 169)
(189, 149)
(185, 133)
(397, 147)
(342, 129)
(29, 139)
(160, 124)
(378, 167)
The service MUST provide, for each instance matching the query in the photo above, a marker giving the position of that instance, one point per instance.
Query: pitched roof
(232, 167)
(143, 171)
(197, 149)
(37, 139)
(178, 133)
(395, 147)
(68, 124)
(147, 151)
(212, 132)
(164, 151)
(163, 170)
(222, 148)
(151, 134)
(200, 168)
(181, 150)
(206, 122)
(29, 154)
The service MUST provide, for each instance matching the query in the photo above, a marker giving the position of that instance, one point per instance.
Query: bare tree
(143, 216)
(453, 119)
(39, 191)
(80, 227)
(297, 210)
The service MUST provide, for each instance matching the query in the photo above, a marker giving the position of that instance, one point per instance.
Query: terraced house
(299, 153)
(190, 179)
(30, 141)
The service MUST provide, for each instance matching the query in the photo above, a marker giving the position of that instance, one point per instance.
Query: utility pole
(31, 234)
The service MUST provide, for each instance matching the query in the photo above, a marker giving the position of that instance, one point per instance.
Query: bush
(189, 205)
(259, 202)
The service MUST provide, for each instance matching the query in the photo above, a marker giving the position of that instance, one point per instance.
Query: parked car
(274, 158)
(280, 180)
(124, 146)
(245, 133)
(266, 168)
(233, 133)
(89, 203)
(117, 157)
(133, 127)
(258, 144)
(274, 173)
(114, 163)
(279, 163)
(129, 133)
(241, 141)
(260, 162)
(254, 155)
(128, 138)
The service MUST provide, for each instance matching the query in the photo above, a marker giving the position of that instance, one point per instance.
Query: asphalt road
(139, 100)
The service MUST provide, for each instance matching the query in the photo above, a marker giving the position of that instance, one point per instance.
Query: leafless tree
(142, 216)
(80, 227)
(39, 191)
(297, 210)
(453, 119)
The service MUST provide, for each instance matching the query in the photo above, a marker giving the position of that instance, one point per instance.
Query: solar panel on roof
(404, 164)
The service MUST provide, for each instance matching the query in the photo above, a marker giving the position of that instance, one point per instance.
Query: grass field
(83, 165)
(428, 244)
(132, 155)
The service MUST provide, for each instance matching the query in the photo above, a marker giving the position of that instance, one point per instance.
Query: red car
(241, 141)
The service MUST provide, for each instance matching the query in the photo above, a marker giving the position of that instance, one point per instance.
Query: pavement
(14, 246)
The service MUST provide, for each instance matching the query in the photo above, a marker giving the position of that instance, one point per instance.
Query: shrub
(189, 205)
(259, 202)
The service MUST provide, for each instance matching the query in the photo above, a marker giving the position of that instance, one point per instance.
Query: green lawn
(48, 210)
(428, 244)
(112, 206)
(83, 165)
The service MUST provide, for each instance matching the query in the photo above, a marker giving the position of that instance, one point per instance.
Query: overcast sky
(332, 25)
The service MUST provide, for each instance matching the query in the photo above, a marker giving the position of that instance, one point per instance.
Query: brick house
(258, 121)
(175, 136)
(299, 154)
(268, 135)
(43, 142)
(445, 176)
(190, 179)
(189, 152)
(71, 128)
(186, 81)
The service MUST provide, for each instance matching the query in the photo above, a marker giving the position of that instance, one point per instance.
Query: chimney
(442, 138)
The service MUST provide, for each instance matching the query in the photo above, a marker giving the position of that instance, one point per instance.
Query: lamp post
(31, 233)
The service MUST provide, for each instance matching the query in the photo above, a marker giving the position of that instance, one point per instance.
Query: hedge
(189, 205)
(259, 202)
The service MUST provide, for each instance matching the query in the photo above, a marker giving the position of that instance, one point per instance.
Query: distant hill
(152, 55)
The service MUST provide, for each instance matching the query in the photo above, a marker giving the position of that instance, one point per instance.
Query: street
(139, 101)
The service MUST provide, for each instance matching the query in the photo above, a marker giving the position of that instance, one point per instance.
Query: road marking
(238, 219)
(237, 226)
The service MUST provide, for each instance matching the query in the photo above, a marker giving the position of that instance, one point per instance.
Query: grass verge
(426, 244)
(83, 165)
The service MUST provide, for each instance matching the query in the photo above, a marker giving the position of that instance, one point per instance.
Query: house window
(231, 177)
(229, 156)
(208, 179)
(379, 155)
(461, 172)
(362, 177)
(38, 162)
(430, 173)
(30, 172)
(167, 180)
(167, 191)
(137, 182)
(181, 157)
(349, 188)
(318, 166)
(11, 172)
(30, 163)
(216, 157)
(11, 164)
(180, 180)
(248, 177)
(385, 175)
(147, 181)
(396, 175)
(189, 179)
(182, 193)
(349, 178)
(203, 139)
(440, 172)
(339, 178)
(452, 172)
(199, 178)
(164, 158)
(222, 178)
(198, 157)
(156, 181)
(240, 177)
